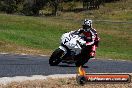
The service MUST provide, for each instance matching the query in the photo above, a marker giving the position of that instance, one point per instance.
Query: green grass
(43, 33)
(27, 31)
(116, 41)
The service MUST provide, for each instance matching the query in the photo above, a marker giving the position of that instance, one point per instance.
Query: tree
(32, 7)
(54, 4)
(8, 6)
(92, 4)
(27, 9)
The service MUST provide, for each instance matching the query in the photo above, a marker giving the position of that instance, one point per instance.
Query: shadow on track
(71, 66)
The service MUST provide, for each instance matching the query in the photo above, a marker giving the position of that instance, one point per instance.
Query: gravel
(54, 81)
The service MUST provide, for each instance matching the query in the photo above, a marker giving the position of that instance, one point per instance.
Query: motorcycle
(72, 50)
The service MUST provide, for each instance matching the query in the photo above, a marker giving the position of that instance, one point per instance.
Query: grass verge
(35, 35)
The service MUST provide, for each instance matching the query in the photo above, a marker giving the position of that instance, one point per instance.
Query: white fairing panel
(71, 42)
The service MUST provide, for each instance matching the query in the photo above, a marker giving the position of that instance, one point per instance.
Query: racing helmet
(87, 24)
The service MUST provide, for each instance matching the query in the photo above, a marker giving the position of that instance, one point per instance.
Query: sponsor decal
(84, 77)
(108, 77)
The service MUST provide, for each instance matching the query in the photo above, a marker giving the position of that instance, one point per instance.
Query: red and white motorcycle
(73, 49)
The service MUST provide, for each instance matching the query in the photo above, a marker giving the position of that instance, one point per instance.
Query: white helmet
(87, 24)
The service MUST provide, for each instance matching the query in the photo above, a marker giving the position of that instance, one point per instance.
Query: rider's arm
(97, 38)
(93, 39)
(79, 31)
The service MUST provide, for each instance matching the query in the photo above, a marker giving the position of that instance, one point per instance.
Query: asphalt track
(27, 65)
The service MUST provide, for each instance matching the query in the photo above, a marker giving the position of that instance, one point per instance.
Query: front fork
(64, 49)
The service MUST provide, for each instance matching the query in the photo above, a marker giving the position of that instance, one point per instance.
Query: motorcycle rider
(90, 35)
(77, 46)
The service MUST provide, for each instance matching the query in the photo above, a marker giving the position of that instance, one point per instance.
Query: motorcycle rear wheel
(81, 62)
(55, 58)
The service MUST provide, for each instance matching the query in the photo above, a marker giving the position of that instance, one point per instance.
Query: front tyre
(55, 58)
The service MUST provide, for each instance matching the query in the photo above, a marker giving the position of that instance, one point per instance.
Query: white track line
(6, 80)
(23, 54)
(4, 53)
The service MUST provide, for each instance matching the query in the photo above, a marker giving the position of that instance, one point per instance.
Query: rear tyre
(55, 58)
(83, 57)
(81, 62)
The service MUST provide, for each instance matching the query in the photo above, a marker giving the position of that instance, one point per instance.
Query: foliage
(9, 6)
(32, 7)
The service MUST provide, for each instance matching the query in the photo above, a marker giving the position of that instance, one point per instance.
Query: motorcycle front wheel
(55, 58)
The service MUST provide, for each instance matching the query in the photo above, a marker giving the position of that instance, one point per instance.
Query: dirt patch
(62, 83)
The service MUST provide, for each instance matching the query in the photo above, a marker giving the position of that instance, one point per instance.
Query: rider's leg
(93, 53)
